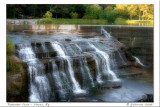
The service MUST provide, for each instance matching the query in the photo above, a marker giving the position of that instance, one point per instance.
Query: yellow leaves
(141, 10)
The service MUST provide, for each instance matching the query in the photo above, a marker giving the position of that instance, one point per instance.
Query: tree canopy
(89, 11)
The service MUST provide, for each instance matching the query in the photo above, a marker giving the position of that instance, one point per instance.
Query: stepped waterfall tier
(71, 67)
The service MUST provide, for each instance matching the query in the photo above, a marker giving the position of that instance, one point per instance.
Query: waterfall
(121, 57)
(86, 73)
(106, 69)
(58, 81)
(84, 64)
(61, 82)
(106, 34)
(45, 50)
(133, 42)
(39, 85)
(99, 75)
(138, 61)
(76, 87)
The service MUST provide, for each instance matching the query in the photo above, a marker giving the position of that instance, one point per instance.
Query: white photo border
(3, 50)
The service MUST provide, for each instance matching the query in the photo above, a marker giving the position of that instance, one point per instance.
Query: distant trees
(74, 15)
(89, 11)
(92, 11)
(109, 13)
(142, 11)
(145, 11)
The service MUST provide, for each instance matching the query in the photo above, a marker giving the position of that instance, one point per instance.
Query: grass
(71, 21)
(12, 65)
(140, 22)
(10, 47)
(118, 21)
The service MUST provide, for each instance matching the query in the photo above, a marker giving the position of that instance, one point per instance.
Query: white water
(107, 35)
(86, 67)
(58, 82)
(78, 47)
(107, 69)
(121, 57)
(35, 94)
(76, 86)
(88, 72)
(98, 78)
(43, 87)
(27, 54)
(138, 61)
(61, 80)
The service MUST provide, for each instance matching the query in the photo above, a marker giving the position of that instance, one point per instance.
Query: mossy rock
(17, 80)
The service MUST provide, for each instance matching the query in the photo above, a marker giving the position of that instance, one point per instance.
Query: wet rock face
(47, 43)
(68, 40)
(48, 66)
(147, 98)
(46, 55)
(92, 65)
(128, 54)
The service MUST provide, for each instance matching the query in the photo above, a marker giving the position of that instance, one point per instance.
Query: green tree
(111, 16)
(132, 9)
(48, 14)
(122, 11)
(145, 11)
(74, 15)
(92, 11)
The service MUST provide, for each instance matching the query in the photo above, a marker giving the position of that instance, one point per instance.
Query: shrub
(102, 15)
(111, 16)
(74, 15)
(123, 14)
(12, 66)
(48, 14)
(92, 11)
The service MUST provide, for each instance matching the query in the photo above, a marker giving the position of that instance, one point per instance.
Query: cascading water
(138, 61)
(99, 75)
(85, 71)
(124, 62)
(84, 64)
(106, 68)
(76, 68)
(39, 85)
(107, 35)
(66, 74)
(76, 86)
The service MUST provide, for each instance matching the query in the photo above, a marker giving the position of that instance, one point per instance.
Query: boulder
(47, 43)
(68, 40)
(146, 98)
(38, 44)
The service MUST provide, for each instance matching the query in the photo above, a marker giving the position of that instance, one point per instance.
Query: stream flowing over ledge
(84, 63)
